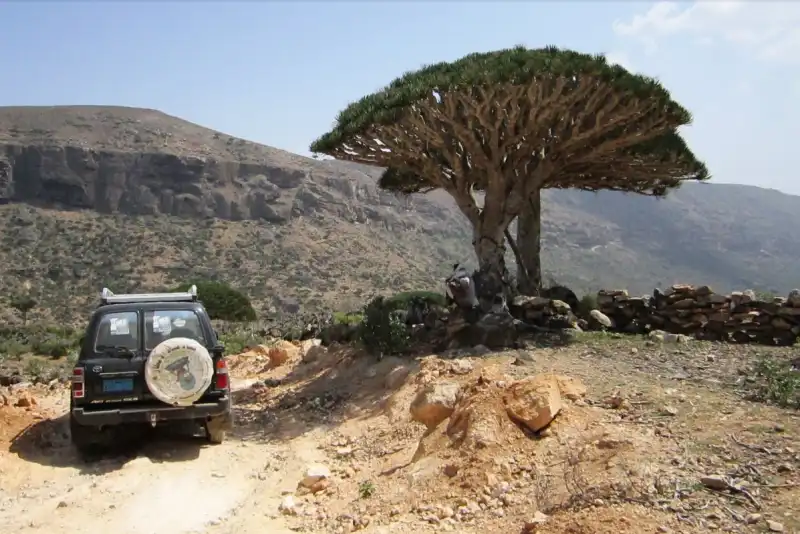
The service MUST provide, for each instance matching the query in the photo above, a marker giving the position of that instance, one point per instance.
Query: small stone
(752, 519)
(396, 377)
(62, 504)
(774, 526)
(461, 367)
(445, 512)
(711, 358)
(315, 474)
(451, 470)
(670, 410)
(715, 482)
(287, 506)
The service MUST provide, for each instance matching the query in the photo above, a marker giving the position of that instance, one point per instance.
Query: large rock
(435, 403)
(534, 402)
(599, 320)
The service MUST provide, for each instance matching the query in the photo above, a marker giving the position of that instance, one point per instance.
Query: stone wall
(699, 312)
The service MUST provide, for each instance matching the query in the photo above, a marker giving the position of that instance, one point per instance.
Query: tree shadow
(47, 442)
(347, 384)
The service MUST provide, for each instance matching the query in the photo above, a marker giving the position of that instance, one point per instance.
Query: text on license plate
(118, 385)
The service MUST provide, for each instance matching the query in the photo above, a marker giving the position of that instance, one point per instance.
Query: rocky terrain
(607, 435)
(88, 192)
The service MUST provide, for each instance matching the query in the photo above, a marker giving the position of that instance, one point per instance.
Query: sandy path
(170, 486)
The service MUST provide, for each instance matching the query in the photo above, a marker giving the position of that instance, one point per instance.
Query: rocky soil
(606, 435)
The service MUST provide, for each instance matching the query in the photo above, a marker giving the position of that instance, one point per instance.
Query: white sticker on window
(179, 323)
(119, 326)
(161, 325)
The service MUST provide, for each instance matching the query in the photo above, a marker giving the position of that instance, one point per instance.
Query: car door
(114, 359)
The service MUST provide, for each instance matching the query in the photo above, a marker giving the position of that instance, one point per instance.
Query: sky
(279, 72)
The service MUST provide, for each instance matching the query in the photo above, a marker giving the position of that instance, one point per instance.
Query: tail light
(78, 383)
(222, 374)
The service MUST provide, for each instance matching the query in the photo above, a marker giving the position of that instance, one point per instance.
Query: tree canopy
(517, 116)
(512, 122)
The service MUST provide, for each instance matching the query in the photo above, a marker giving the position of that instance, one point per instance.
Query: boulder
(599, 320)
(435, 403)
(533, 402)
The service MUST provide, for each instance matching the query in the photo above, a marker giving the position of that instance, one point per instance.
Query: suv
(149, 358)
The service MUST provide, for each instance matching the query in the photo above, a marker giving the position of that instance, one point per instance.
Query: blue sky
(278, 73)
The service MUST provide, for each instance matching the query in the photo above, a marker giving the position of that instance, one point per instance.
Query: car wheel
(216, 429)
(86, 439)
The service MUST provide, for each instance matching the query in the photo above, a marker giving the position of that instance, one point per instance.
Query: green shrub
(222, 301)
(383, 329)
(13, 348)
(402, 301)
(236, 343)
(776, 383)
(587, 303)
(350, 319)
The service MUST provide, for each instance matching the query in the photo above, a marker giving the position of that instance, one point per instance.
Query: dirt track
(171, 485)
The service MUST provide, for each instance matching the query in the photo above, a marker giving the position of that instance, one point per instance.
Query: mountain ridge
(297, 232)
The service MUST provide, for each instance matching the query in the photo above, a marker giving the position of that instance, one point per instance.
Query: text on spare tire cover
(180, 372)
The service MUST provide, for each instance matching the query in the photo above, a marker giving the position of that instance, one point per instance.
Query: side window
(161, 325)
(118, 330)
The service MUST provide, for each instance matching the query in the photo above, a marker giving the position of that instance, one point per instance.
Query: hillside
(136, 199)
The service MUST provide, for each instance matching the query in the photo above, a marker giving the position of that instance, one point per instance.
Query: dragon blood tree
(510, 123)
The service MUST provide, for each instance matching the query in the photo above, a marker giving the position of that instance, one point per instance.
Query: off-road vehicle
(148, 359)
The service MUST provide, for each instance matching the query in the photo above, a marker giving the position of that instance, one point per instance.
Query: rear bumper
(150, 414)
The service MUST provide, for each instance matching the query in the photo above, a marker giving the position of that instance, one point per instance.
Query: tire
(179, 371)
(87, 440)
(217, 427)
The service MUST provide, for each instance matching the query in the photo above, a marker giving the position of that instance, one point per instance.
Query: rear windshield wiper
(116, 350)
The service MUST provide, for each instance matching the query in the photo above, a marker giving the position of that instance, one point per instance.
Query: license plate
(118, 385)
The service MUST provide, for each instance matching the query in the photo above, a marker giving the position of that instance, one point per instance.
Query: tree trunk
(529, 237)
(491, 279)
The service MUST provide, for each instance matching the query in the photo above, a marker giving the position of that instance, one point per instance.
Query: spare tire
(178, 371)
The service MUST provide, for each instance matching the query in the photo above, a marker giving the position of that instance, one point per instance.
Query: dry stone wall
(699, 312)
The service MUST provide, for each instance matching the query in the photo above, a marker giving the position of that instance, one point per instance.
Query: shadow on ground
(47, 442)
(347, 384)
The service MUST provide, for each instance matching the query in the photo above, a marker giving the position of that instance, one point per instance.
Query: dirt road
(171, 485)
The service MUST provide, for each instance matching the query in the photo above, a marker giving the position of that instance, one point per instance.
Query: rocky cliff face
(136, 183)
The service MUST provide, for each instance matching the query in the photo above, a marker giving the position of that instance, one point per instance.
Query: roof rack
(107, 297)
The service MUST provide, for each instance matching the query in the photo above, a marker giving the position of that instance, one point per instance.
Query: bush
(403, 301)
(776, 383)
(51, 341)
(238, 342)
(349, 319)
(383, 329)
(222, 301)
(587, 303)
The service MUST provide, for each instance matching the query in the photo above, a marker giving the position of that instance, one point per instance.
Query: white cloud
(768, 30)
(621, 59)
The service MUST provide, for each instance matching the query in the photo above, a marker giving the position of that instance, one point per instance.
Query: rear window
(160, 325)
(118, 330)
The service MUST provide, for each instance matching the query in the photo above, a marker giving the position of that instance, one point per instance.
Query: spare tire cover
(178, 371)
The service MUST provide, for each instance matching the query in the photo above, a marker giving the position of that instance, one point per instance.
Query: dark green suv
(149, 359)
